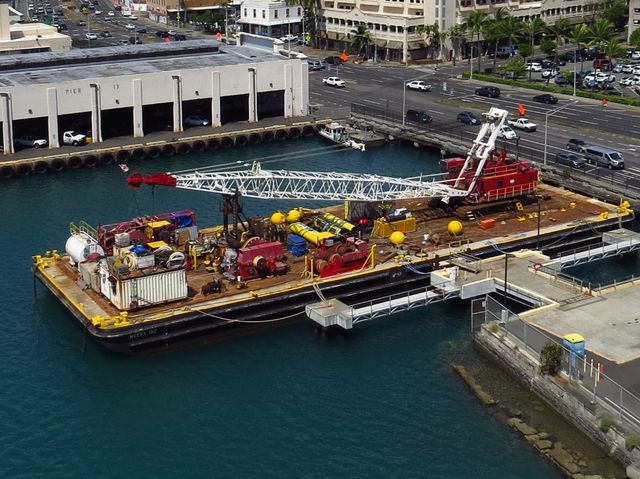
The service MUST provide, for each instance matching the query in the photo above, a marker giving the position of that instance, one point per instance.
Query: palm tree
(476, 23)
(612, 49)
(361, 39)
(310, 9)
(493, 31)
(579, 36)
(512, 30)
(601, 31)
(531, 30)
(432, 36)
(559, 30)
(456, 34)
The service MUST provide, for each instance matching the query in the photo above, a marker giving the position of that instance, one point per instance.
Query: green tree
(612, 49)
(515, 67)
(456, 33)
(476, 23)
(512, 30)
(579, 36)
(432, 36)
(559, 31)
(310, 18)
(634, 39)
(493, 31)
(361, 39)
(532, 29)
(617, 13)
(602, 31)
(548, 46)
(551, 358)
(525, 50)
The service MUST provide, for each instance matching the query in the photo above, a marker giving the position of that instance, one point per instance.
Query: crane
(256, 182)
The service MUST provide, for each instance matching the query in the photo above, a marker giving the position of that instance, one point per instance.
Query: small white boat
(337, 133)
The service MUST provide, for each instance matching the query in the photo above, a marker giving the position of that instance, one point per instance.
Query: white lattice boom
(329, 186)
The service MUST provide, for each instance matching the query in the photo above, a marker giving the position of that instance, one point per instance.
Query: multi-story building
(28, 37)
(392, 23)
(272, 18)
(178, 11)
(634, 16)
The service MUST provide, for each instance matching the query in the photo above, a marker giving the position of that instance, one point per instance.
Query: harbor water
(379, 402)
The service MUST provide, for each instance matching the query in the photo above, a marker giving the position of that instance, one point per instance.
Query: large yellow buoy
(454, 227)
(397, 237)
(293, 216)
(278, 218)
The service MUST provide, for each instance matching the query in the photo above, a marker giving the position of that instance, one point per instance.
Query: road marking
(377, 81)
(589, 122)
(371, 101)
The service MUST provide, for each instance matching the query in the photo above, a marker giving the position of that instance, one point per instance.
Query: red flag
(521, 109)
(124, 167)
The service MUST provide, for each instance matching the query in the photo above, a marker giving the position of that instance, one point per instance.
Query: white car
(507, 133)
(91, 36)
(534, 67)
(605, 77)
(130, 26)
(334, 81)
(618, 68)
(289, 38)
(418, 85)
(111, 13)
(549, 73)
(171, 33)
(98, 12)
(635, 55)
(523, 124)
(627, 68)
(628, 81)
(31, 141)
(195, 120)
(635, 71)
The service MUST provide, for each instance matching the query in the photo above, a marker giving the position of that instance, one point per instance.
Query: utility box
(574, 342)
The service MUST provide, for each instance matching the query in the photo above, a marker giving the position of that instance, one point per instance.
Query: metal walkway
(614, 243)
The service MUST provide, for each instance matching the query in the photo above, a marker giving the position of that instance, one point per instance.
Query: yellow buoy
(397, 237)
(278, 218)
(293, 216)
(454, 227)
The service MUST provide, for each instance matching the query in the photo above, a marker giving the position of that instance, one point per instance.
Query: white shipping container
(144, 290)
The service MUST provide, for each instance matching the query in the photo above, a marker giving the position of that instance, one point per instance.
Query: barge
(155, 283)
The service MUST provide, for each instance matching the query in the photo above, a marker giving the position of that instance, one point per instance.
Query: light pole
(538, 236)
(574, 71)
(506, 267)
(471, 65)
(546, 126)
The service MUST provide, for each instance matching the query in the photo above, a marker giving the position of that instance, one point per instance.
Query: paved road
(615, 126)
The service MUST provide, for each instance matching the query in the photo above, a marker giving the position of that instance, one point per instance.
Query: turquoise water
(381, 401)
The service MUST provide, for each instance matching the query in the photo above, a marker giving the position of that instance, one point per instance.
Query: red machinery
(261, 259)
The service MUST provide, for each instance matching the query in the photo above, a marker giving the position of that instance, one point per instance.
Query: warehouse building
(109, 92)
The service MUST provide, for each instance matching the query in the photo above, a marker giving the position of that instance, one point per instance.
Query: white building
(28, 37)
(151, 86)
(634, 16)
(271, 18)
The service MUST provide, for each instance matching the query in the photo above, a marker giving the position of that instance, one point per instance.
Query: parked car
(111, 13)
(314, 65)
(550, 73)
(561, 80)
(334, 81)
(546, 98)
(106, 34)
(630, 81)
(570, 159)
(468, 118)
(534, 67)
(507, 133)
(82, 23)
(418, 116)
(31, 141)
(63, 27)
(576, 145)
(91, 36)
(73, 138)
(418, 85)
(179, 37)
(135, 41)
(130, 26)
(195, 120)
(627, 68)
(490, 91)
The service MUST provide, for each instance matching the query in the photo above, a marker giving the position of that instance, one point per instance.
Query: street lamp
(471, 65)
(546, 125)
(506, 267)
(574, 70)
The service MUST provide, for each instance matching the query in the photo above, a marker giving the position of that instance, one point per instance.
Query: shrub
(554, 89)
(631, 442)
(605, 424)
(550, 358)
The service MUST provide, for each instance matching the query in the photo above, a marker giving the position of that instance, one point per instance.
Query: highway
(381, 87)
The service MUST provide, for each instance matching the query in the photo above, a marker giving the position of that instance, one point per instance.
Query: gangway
(614, 243)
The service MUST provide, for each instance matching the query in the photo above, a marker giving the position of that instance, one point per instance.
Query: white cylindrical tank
(80, 245)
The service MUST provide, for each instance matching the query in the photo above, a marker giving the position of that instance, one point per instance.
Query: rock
(514, 412)
(514, 421)
(593, 476)
(531, 438)
(543, 435)
(564, 460)
(582, 464)
(542, 444)
(577, 476)
(525, 429)
(466, 376)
